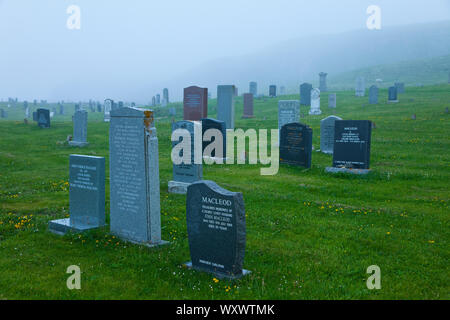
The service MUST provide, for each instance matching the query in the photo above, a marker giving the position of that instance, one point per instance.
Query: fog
(130, 50)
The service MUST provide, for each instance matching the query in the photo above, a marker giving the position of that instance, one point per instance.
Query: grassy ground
(310, 235)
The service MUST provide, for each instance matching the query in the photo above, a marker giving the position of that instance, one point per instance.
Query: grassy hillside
(412, 73)
(310, 234)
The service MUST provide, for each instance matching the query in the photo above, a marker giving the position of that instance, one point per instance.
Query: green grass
(310, 235)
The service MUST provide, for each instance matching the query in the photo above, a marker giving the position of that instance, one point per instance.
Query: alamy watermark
(374, 19)
(74, 280)
(74, 20)
(374, 281)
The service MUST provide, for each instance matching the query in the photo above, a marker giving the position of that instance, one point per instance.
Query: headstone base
(218, 274)
(178, 187)
(148, 244)
(392, 101)
(347, 170)
(62, 226)
(247, 117)
(315, 113)
(78, 144)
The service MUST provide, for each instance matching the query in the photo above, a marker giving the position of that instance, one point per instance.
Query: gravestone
(392, 96)
(351, 151)
(248, 105)
(158, 99)
(27, 112)
(77, 107)
(216, 230)
(272, 91)
(35, 116)
(327, 134)
(80, 120)
(195, 103)
(108, 105)
(188, 172)
(323, 82)
(296, 144)
(373, 94)
(332, 100)
(86, 195)
(400, 87)
(315, 102)
(43, 118)
(2, 113)
(225, 105)
(135, 213)
(305, 94)
(360, 90)
(213, 128)
(166, 95)
(99, 107)
(253, 88)
(288, 112)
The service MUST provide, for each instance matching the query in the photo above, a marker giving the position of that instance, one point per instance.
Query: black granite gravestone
(352, 144)
(43, 118)
(296, 144)
(207, 124)
(216, 229)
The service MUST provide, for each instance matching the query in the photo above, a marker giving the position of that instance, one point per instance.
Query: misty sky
(128, 50)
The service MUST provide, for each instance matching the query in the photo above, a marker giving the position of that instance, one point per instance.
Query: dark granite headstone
(272, 91)
(86, 196)
(208, 124)
(195, 103)
(216, 229)
(305, 94)
(43, 118)
(392, 98)
(352, 144)
(296, 144)
(248, 105)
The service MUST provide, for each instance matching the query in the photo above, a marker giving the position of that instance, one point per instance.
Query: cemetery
(208, 166)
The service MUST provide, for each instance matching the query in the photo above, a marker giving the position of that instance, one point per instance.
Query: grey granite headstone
(248, 106)
(288, 112)
(305, 94)
(80, 120)
(225, 105)
(315, 102)
(253, 88)
(186, 173)
(373, 94)
(134, 177)
(323, 82)
(86, 195)
(166, 95)
(216, 230)
(35, 116)
(327, 134)
(332, 100)
(360, 89)
(108, 105)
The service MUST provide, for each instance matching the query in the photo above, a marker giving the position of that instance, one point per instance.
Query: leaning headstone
(392, 96)
(135, 213)
(80, 120)
(323, 82)
(288, 112)
(373, 94)
(225, 105)
(332, 100)
(351, 146)
(327, 134)
(296, 144)
(253, 88)
(272, 91)
(107, 110)
(400, 87)
(187, 172)
(86, 195)
(195, 103)
(248, 105)
(360, 89)
(43, 118)
(315, 102)
(212, 130)
(216, 230)
(305, 94)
